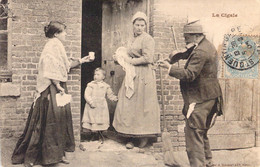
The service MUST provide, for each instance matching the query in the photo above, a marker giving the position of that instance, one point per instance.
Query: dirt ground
(114, 154)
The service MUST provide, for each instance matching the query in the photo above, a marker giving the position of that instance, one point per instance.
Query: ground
(114, 154)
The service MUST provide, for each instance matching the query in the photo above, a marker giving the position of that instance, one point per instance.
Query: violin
(182, 54)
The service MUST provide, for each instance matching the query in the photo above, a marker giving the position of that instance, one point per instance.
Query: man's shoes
(129, 145)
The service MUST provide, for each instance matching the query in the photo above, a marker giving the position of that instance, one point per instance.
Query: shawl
(129, 69)
(53, 65)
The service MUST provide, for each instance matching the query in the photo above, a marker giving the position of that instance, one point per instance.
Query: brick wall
(28, 40)
(161, 29)
(10, 124)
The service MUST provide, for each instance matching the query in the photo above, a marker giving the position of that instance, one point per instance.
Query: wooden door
(237, 127)
(117, 30)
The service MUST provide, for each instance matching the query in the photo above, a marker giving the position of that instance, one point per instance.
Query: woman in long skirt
(48, 132)
(138, 115)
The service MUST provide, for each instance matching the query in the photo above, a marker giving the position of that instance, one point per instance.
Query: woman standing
(139, 115)
(48, 132)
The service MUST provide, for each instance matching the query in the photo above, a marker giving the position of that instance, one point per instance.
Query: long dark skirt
(48, 132)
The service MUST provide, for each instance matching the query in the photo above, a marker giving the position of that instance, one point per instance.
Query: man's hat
(193, 27)
(139, 15)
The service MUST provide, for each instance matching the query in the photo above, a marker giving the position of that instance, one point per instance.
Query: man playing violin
(200, 90)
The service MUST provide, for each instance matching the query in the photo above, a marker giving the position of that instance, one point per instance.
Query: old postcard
(188, 76)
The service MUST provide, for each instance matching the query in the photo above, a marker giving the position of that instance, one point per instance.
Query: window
(5, 74)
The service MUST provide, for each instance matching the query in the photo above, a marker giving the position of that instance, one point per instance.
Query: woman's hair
(53, 28)
(102, 70)
(139, 19)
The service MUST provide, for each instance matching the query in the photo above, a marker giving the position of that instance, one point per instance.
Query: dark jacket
(198, 78)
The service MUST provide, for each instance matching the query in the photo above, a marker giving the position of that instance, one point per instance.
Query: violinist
(200, 90)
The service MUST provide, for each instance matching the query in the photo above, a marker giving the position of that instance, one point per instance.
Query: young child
(96, 114)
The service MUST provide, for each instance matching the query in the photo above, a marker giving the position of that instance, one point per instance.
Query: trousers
(197, 126)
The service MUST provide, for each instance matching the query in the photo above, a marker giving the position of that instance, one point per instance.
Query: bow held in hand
(163, 63)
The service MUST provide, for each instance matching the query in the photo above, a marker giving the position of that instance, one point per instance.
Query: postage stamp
(241, 56)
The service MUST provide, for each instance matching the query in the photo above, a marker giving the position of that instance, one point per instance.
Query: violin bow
(174, 39)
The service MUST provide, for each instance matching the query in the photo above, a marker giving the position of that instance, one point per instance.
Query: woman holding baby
(137, 117)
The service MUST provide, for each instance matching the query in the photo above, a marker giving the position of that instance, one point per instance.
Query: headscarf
(139, 15)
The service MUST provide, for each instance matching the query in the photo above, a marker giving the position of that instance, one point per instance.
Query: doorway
(91, 41)
(117, 31)
(106, 25)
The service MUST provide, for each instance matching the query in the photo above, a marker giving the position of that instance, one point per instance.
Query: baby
(96, 114)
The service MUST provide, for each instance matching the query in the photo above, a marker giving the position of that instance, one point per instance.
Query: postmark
(240, 52)
(241, 56)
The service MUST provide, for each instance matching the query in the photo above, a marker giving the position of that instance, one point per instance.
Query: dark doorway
(91, 41)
